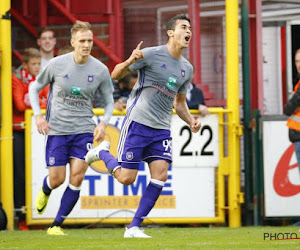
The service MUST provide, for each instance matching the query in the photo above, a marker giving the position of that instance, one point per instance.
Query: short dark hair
(45, 29)
(172, 22)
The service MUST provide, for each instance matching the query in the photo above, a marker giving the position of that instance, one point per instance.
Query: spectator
(292, 109)
(126, 84)
(195, 98)
(46, 43)
(122, 90)
(24, 75)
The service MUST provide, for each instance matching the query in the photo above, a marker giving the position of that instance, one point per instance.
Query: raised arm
(122, 69)
(184, 113)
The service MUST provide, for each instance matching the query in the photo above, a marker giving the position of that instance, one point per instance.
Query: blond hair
(80, 26)
(30, 53)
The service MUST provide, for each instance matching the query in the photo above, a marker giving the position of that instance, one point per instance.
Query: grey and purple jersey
(71, 94)
(160, 78)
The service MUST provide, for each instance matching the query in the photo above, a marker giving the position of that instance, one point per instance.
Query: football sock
(110, 161)
(46, 186)
(55, 223)
(67, 203)
(147, 202)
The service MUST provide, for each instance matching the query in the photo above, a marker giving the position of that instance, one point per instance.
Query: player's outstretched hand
(195, 126)
(136, 54)
(42, 125)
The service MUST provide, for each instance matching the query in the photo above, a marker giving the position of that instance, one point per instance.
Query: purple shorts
(60, 148)
(142, 143)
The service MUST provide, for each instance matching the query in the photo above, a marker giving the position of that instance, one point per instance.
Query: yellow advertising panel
(188, 195)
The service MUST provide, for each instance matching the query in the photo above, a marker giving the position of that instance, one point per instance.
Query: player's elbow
(114, 76)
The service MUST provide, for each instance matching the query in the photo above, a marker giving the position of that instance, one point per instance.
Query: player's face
(33, 66)
(47, 41)
(297, 62)
(183, 33)
(82, 43)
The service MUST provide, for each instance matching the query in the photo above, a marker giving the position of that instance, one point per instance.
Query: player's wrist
(128, 62)
(103, 124)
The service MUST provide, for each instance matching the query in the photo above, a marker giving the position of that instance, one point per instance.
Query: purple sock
(67, 203)
(46, 189)
(147, 202)
(110, 161)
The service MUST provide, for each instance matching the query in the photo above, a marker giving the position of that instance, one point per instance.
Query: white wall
(272, 78)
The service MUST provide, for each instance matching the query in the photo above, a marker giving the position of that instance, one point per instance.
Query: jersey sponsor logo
(75, 90)
(90, 78)
(171, 82)
(52, 161)
(183, 73)
(66, 76)
(129, 156)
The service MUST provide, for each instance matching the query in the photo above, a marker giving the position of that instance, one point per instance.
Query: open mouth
(187, 38)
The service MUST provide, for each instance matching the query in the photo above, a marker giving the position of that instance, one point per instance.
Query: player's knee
(161, 176)
(56, 182)
(77, 179)
(126, 180)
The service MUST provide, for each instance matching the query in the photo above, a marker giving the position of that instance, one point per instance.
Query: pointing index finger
(139, 45)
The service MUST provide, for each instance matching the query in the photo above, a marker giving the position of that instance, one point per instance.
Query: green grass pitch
(163, 238)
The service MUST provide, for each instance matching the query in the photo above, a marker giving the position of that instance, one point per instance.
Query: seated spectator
(195, 99)
(123, 88)
(21, 79)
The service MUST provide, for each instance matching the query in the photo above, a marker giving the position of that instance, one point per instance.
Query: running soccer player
(74, 79)
(163, 77)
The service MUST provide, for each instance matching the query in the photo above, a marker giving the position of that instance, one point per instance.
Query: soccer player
(163, 77)
(74, 79)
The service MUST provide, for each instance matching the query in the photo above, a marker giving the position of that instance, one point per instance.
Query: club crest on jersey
(183, 73)
(75, 90)
(51, 161)
(171, 82)
(129, 156)
(90, 78)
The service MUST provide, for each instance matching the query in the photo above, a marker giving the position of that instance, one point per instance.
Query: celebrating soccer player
(163, 78)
